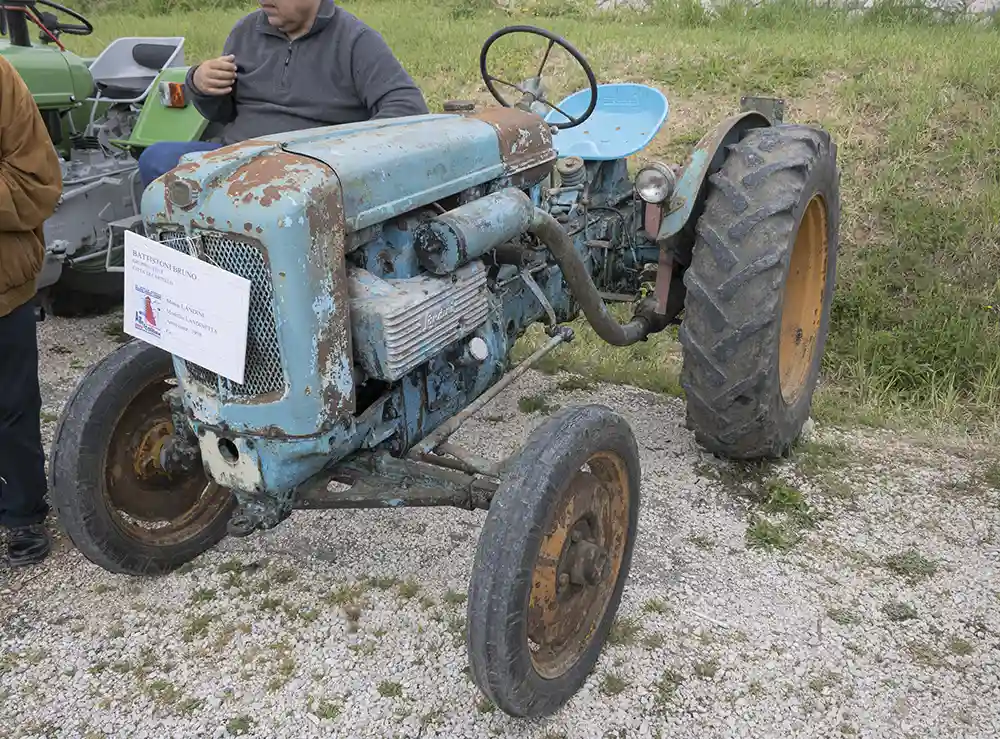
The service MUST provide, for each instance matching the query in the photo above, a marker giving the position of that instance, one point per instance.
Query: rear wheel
(759, 289)
(76, 296)
(552, 560)
(119, 507)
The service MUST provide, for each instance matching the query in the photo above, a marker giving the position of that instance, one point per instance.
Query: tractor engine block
(398, 325)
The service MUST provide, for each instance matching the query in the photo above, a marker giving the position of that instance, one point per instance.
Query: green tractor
(101, 113)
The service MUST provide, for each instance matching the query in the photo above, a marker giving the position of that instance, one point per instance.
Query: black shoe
(28, 545)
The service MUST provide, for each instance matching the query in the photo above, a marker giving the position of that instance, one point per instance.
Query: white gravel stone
(758, 643)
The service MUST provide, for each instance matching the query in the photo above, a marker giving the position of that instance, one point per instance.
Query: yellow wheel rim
(802, 309)
(570, 590)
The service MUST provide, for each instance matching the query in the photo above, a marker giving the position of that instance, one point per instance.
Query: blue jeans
(163, 156)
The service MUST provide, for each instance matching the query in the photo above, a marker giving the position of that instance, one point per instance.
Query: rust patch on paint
(326, 265)
(264, 178)
(525, 138)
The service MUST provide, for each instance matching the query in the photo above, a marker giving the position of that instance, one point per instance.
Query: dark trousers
(22, 461)
(163, 156)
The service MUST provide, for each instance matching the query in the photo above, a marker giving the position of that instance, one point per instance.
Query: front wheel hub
(178, 456)
(588, 563)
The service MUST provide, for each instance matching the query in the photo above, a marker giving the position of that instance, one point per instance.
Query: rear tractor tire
(552, 561)
(758, 292)
(114, 500)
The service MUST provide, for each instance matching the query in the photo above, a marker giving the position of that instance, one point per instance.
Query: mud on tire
(757, 308)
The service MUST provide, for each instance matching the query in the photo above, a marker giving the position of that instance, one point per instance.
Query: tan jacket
(30, 186)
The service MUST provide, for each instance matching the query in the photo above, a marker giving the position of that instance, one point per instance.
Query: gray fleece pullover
(341, 71)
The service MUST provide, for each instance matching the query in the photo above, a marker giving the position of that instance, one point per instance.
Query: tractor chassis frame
(434, 473)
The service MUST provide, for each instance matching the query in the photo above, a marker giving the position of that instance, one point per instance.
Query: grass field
(914, 106)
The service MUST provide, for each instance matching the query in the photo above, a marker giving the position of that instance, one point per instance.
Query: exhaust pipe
(549, 232)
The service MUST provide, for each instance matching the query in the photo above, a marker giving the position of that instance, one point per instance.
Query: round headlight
(655, 183)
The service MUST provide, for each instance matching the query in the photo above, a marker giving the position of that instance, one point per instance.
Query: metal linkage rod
(449, 427)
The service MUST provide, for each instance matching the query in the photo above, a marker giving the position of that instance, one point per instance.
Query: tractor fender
(707, 158)
(157, 122)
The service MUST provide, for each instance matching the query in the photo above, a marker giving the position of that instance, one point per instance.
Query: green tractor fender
(707, 158)
(158, 121)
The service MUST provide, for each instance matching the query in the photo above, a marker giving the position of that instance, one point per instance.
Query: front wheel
(119, 507)
(759, 290)
(552, 561)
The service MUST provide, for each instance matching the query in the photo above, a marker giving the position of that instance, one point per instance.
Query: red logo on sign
(150, 316)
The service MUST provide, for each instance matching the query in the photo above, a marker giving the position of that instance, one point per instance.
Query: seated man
(293, 64)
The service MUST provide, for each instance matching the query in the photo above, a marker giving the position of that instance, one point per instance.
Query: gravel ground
(877, 615)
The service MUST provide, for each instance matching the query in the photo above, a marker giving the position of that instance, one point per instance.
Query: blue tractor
(392, 266)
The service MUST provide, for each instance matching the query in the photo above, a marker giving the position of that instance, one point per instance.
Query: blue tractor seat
(627, 117)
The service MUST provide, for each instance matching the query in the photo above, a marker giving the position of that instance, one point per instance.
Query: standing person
(30, 188)
(291, 65)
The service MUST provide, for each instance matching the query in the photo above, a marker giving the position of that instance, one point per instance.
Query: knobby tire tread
(734, 286)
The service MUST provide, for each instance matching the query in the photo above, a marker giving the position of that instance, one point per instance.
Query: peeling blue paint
(373, 346)
(706, 158)
(392, 166)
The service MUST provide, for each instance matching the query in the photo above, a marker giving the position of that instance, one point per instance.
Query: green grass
(624, 631)
(911, 564)
(239, 725)
(613, 684)
(914, 107)
(390, 689)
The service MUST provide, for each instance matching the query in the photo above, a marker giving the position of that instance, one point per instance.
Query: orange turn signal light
(172, 95)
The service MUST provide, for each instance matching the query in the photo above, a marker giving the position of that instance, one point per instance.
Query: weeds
(707, 670)
(960, 647)
(345, 594)
(454, 597)
(613, 684)
(327, 709)
(666, 687)
(843, 616)
(202, 595)
(197, 626)
(624, 631)
(911, 565)
(793, 514)
(389, 689)
(896, 611)
(656, 605)
(239, 725)
(409, 588)
(536, 404)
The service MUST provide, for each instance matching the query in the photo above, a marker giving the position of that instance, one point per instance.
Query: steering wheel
(489, 79)
(84, 29)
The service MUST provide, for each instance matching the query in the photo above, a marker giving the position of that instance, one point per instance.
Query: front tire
(552, 561)
(759, 290)
(116, 504)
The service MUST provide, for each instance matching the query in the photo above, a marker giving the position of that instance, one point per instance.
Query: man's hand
(216, 76)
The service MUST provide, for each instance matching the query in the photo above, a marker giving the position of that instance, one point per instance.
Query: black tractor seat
(123, 88)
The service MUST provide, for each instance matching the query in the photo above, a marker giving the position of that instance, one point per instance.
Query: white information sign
(186, 306)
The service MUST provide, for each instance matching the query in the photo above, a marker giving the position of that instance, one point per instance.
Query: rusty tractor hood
(384, 167)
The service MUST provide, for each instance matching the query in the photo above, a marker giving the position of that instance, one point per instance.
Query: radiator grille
(244, 258)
